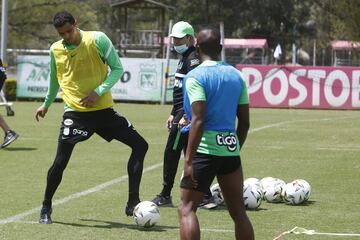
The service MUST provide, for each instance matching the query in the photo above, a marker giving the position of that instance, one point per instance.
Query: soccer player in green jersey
(214, 96)
(79, 66)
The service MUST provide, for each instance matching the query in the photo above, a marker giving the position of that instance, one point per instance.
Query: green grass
(317, 145)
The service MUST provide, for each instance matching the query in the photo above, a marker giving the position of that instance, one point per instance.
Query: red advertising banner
(302, 86)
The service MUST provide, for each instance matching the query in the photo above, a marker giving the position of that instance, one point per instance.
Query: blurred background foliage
(279, 21)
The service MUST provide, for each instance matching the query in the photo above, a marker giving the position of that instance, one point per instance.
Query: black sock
(55, 172)
(134, 198)
(47, 203)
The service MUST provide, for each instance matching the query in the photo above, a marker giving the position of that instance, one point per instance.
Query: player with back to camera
(214, 96)
(79, 66)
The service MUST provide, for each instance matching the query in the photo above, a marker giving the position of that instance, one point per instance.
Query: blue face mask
(181, 48)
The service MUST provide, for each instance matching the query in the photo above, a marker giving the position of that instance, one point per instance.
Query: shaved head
(208, 42)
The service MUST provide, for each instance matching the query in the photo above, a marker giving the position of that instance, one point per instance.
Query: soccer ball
(252, 181)
(217, 194)
(306, 186)
(252, 196)
(146, 214)
(272, 190)
(293, 193)
(266, 181)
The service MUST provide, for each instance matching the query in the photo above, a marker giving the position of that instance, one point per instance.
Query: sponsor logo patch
(194, 62)
(178, 83)
(80, 132)
(68, 122)
(230, 141)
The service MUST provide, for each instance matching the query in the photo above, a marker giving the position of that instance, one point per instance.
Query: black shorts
(206, 167)
(79, 126)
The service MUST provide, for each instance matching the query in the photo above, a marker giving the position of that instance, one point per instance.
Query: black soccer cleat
(129, 209)
(163, 201)
(9, 138)
(45, 215)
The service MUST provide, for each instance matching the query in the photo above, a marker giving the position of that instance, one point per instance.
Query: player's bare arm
(195, 134)
(243, 123)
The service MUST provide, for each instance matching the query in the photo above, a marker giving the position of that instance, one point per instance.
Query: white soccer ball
(255, 183)
(146, 214)
(217, 194)
(266, 181)
(306, 186)
(252, 196)
(272, 190)
(252, 181)
(293, 193)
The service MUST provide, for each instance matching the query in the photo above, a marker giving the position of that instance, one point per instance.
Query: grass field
(319, 146)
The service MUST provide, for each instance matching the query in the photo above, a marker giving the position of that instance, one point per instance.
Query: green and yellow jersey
(80, 69)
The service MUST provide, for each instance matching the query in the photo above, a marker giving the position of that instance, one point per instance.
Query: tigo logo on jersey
(230, 141)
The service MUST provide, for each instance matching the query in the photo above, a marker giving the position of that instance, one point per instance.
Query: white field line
(22, 215)
(74, 196)
(338, 149)
(295, 121)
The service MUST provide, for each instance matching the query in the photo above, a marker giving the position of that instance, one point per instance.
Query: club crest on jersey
(230, 141)
(66, 131)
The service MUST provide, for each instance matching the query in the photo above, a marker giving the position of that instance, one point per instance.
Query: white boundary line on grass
(75, 196)
(295, 121)
(20, 216)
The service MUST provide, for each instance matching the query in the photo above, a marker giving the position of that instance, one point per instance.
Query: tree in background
(30, 22)
(280, 21)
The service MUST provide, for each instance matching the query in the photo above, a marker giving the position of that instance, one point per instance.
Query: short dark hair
(61, 18)
(210, 42)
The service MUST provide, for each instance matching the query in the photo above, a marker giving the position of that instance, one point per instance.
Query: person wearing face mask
(182, 34)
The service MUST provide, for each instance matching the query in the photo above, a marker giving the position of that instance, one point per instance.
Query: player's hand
(182, 123)
(169, 121)
(89, 100)
(40, 112)
(188, 177)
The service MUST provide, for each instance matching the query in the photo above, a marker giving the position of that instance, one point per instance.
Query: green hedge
(10, 89)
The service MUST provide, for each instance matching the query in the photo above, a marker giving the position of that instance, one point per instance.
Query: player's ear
(197, 47)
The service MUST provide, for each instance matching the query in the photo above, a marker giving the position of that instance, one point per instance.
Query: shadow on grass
(307, 203)
(224, 208)
(110, 224)
(13, 149)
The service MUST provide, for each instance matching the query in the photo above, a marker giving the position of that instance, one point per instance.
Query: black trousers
(176, 143)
